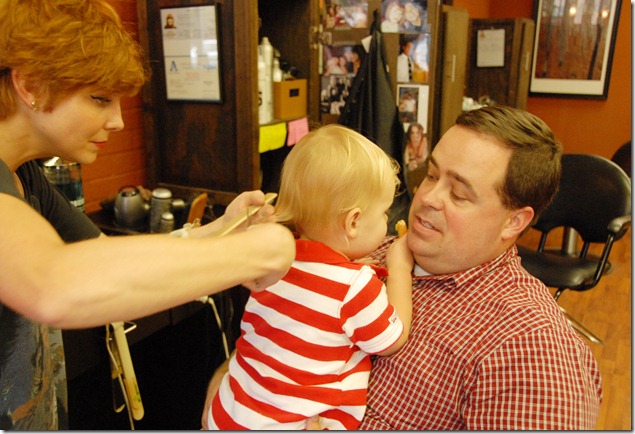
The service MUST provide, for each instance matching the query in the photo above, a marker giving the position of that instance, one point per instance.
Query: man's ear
(516, 223)
(351, 222)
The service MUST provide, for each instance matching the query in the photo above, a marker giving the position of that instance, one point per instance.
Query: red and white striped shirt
(489, 349)
(304, 346)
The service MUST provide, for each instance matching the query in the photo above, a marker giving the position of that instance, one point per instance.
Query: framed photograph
(333, 93)
(342, 60)
(412, 104)
(346, 14)
(404, 16)
(190, 53)
(573, 48)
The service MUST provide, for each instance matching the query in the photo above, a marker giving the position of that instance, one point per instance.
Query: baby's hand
(399, 257)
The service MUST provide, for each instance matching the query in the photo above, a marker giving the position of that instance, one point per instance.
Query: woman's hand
(239, 206)
(244, 201)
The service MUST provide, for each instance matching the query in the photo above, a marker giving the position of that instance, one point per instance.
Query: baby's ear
(351, 222)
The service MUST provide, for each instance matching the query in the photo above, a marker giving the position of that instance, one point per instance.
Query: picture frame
(412, 104)
(345, 14)
(573, 48)
(191, 53)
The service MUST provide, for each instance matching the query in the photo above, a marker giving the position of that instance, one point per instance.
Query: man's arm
(213, 386)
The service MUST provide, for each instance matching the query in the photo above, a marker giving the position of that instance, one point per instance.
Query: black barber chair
(594, 200)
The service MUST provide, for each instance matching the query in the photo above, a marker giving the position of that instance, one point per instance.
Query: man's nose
(430, 195)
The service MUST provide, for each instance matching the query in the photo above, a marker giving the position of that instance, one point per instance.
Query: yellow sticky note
(297, 129)
(272, 137)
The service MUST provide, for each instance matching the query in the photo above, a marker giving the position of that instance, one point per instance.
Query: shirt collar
(314, 251)
(456, 280)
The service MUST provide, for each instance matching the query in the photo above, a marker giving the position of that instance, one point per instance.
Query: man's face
(407, 47)
(457, 220)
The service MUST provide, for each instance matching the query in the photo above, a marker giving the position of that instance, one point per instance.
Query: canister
(160, 203)
(167, 222)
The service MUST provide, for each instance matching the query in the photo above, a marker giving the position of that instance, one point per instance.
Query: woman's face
(79, 126)
(416, 135)
(394, 13)
(411, 13)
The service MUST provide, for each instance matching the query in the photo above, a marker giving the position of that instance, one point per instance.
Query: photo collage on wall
(340, 63)
(340, 67)
(409, 18)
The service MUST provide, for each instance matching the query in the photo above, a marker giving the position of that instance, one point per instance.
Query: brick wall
(122, 161)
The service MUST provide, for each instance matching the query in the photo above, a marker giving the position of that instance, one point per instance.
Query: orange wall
(582, 125)
(122, 161)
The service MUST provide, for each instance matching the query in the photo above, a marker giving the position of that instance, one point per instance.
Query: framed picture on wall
(190, 53)
(412, 104)
(573, 48)
(346, 14)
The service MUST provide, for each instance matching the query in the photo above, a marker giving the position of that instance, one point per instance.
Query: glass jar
(67, 177)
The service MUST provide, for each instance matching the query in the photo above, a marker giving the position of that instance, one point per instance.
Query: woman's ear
(351, 222)
(518, 220)
(23, 88)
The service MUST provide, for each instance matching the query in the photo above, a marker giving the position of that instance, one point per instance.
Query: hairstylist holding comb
(64, 67)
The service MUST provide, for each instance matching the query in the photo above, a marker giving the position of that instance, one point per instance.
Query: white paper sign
(190, 53)
(490, 48)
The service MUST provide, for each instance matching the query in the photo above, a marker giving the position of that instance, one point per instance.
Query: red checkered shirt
(489, 349)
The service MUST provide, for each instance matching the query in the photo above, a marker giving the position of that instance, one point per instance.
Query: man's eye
(457, 197)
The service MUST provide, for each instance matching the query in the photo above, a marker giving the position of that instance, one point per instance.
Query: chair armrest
(619, 226)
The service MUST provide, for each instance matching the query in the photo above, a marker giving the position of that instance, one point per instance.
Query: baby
(306, 341)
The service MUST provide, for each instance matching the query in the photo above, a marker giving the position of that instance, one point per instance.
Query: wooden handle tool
(197, 208)
(129, 377)
(243, 217)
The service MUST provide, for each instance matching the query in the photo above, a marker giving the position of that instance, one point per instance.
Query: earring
(34, 105)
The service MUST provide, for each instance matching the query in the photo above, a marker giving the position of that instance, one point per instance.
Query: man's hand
(212, 388)
(313, 423)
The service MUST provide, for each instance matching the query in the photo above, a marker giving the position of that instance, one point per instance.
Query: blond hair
(329, 172)
(63, 45)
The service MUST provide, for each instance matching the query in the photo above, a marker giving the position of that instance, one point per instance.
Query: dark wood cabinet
(508, 84)
(452, 65)
(194, 146)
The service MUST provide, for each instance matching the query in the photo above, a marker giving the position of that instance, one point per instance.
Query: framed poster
(190, 53)
(573, 48)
